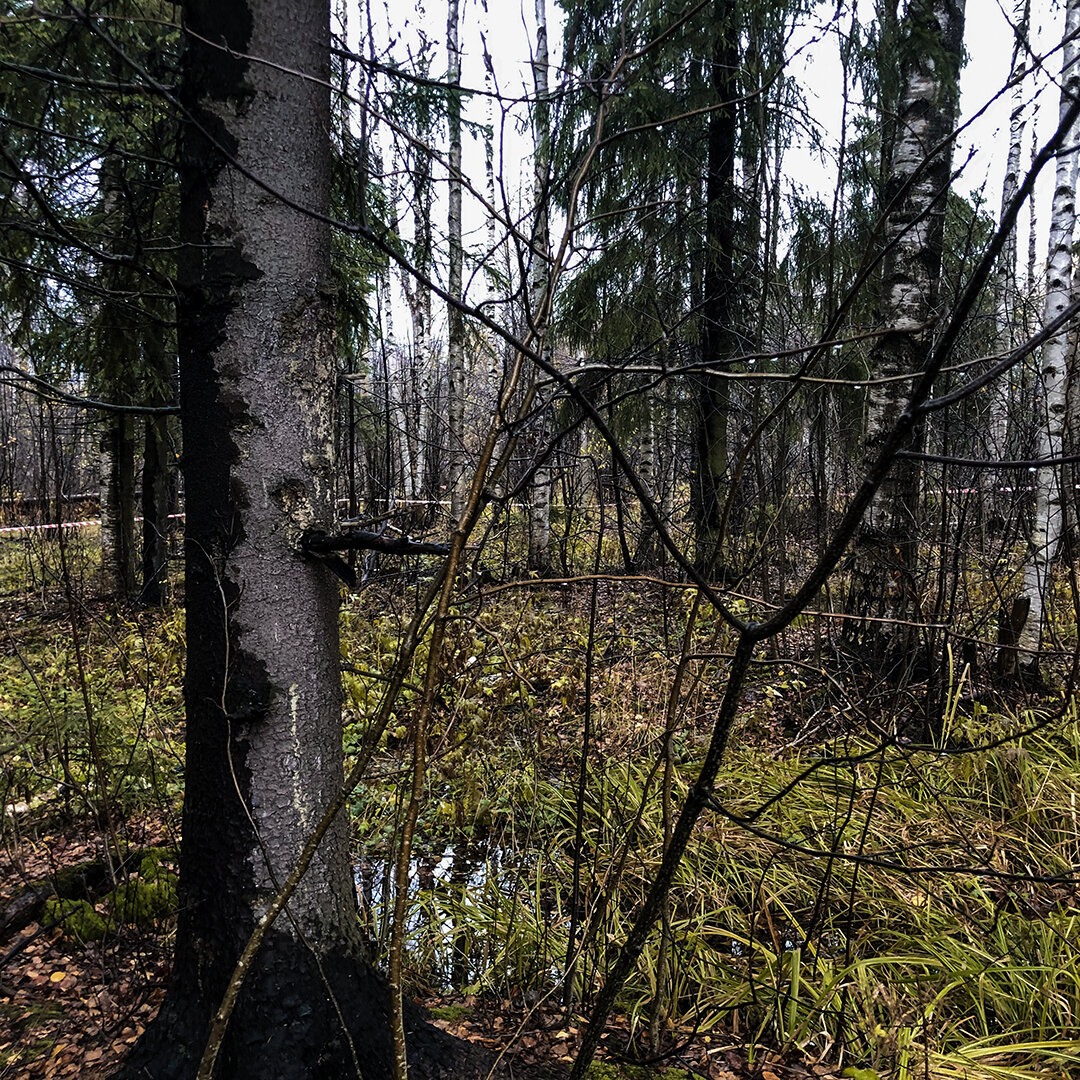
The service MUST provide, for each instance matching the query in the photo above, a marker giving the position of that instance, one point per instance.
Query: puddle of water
(470, 918)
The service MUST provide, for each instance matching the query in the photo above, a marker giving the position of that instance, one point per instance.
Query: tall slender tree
(1009, 328)
(1049, 518)
(539, 293)
(915, 196)
(456, 336)
(719, 339)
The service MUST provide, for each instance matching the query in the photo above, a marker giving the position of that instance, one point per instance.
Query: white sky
(508, 26)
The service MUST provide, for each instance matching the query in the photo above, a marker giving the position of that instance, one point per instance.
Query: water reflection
(471, 920)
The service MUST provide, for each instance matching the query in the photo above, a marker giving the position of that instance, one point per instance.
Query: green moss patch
(610, 1070)
(453, 1014)
(77, 918)
(141, 903)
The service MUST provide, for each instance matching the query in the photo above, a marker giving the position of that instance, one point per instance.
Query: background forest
(562, 567)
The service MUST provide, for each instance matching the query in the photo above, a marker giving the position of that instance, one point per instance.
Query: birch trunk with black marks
(419, 359)
(263, 684)
(1009, 332)
(539, 301)
(1048, 523)
(116, 494)
(456, 337)
(885, 581)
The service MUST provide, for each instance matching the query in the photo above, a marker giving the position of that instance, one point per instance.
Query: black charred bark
(262, 686)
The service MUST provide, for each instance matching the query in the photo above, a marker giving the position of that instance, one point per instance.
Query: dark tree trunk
(157, 503)
(263, 686)
(718, 301)
(158, 474)
(116, 361)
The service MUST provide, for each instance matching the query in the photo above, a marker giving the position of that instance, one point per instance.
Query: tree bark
(116, 492)
(539, 301)
(262, 687)
(456, 338)
(158, 473)
(1048, 521)
(885, 579)
(718, 338)
(1005, 281)
(116, 364)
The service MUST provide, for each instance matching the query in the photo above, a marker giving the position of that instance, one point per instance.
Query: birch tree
(915, 195)
(1049, 520)
(539, 300)
(1005, 282)
(456, 337)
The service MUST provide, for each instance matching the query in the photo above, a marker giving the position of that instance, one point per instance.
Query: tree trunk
(157, 502)
(885, 581)
(116, 487)
(539, 301)
(1005, 282)
(1046, 529)
(419, 367)
(456, 341)
(263, 686)
(718, 339)
(158, 480)
(116, 363)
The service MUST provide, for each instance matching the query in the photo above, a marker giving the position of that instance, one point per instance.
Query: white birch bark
(494, 247)
(1047, 526)
(456, 341)
(540, 495)
(885, 574)
(397, 383)
(419, 380)
(1033, 257)
(1005, 283)
(914, 232)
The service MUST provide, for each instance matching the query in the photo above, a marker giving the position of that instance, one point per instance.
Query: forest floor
(948, 947)
(69, 1009)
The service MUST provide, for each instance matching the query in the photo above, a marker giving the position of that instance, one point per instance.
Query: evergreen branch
(49, 390)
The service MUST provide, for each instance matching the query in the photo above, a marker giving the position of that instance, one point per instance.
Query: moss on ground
(454, 1014)
(77, 918)
(141, 903)
(610, 1070)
